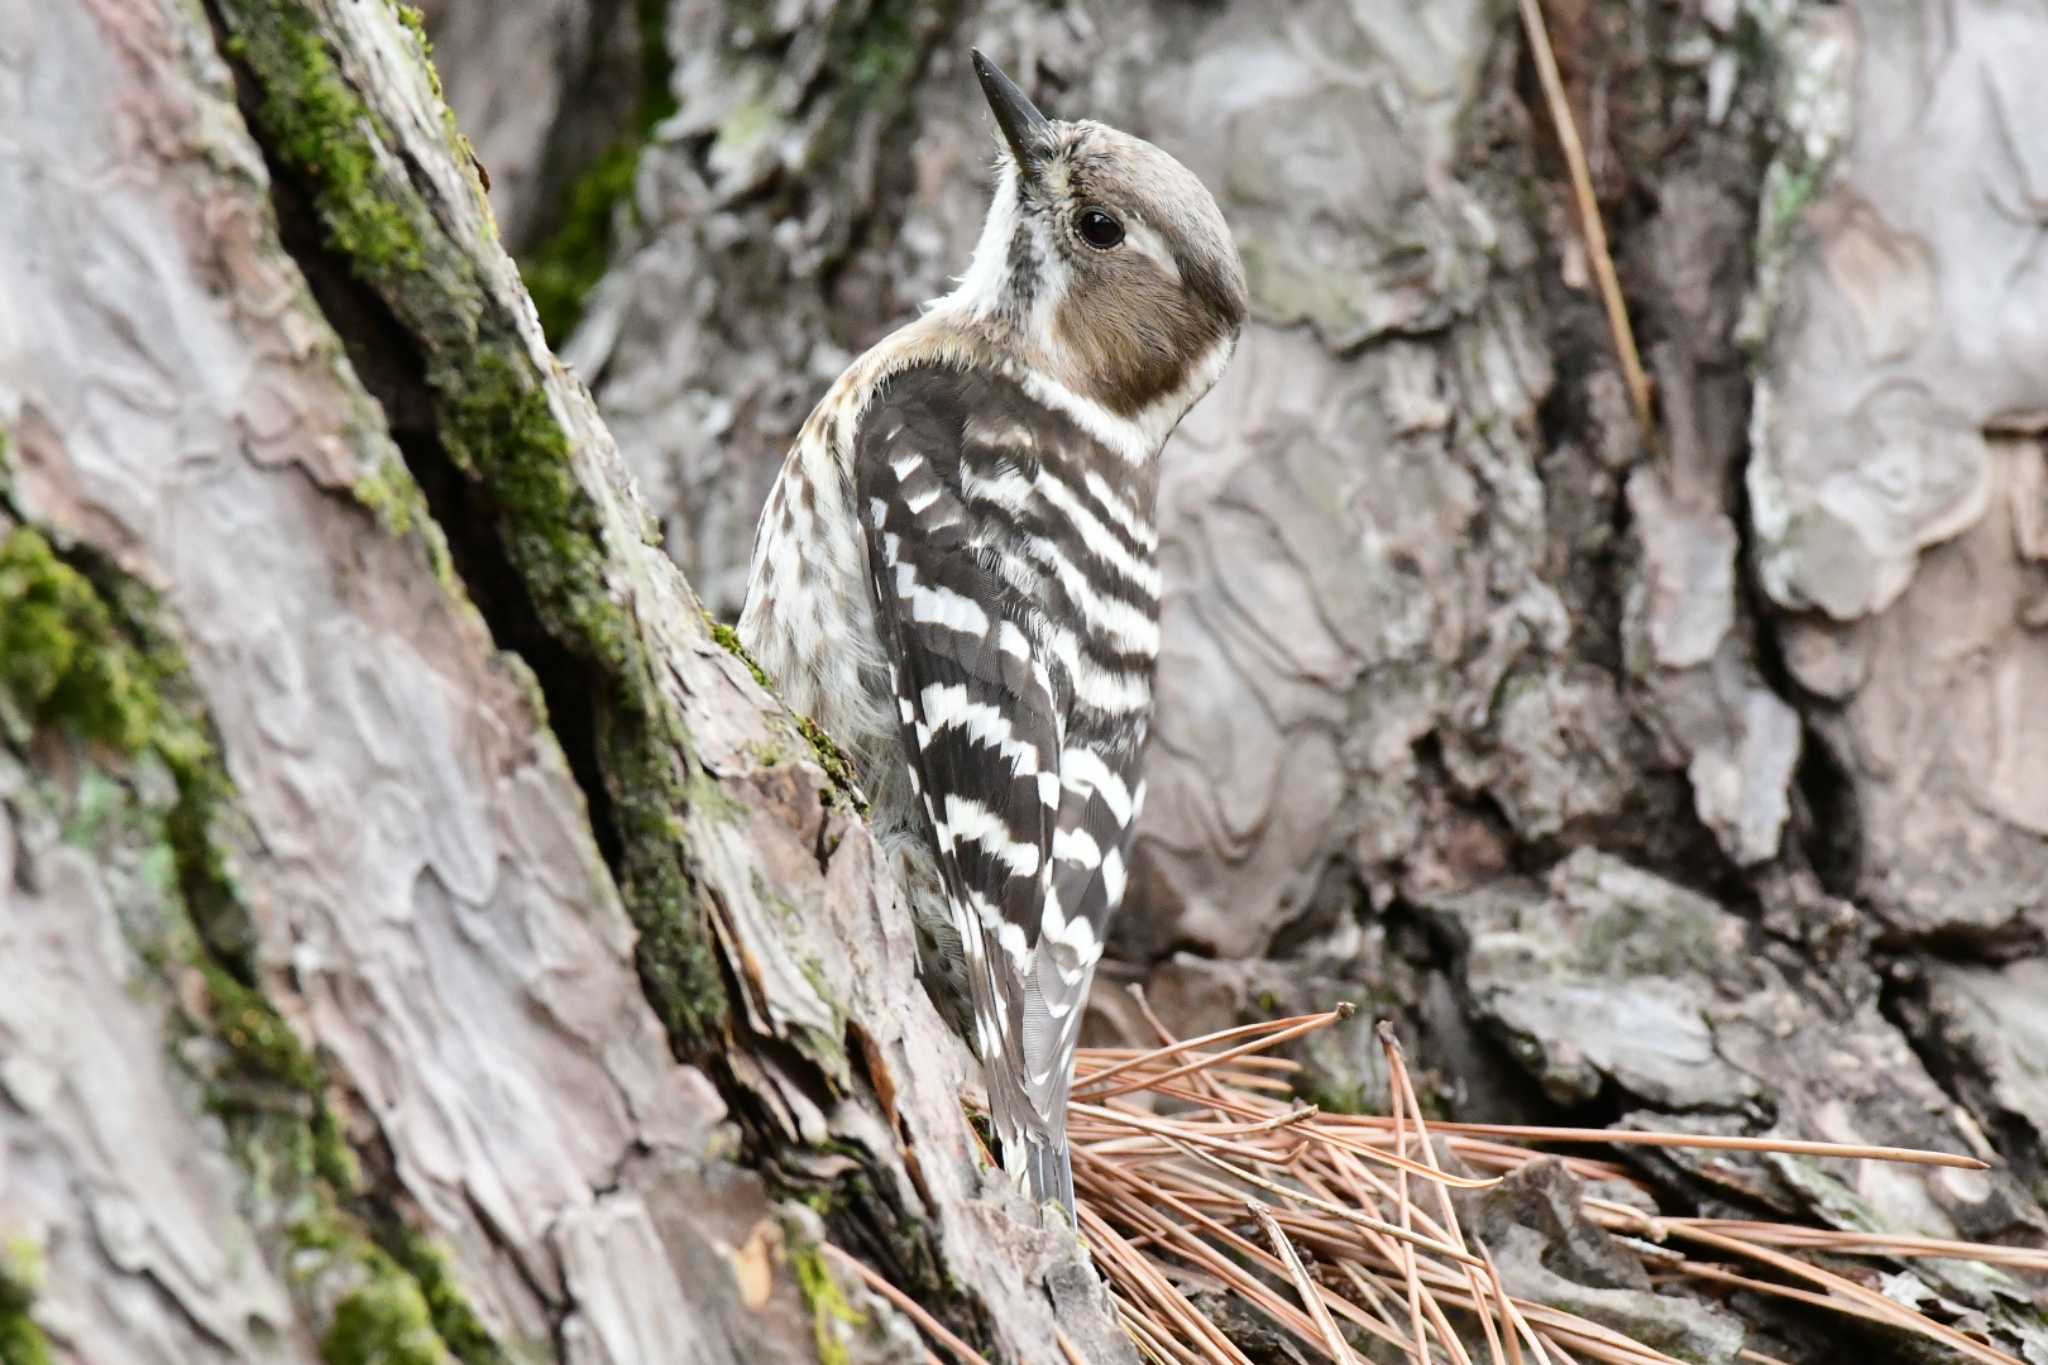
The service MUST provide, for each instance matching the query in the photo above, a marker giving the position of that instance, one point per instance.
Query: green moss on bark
(385, 1322)
(496, 425)
(393, 498)
(454, 1320)
(830, 1312)
(21, 1279)
(829, 756)
(21, 1341)
(414, 21)
(82, 655)
(561, 271)
(59, 659)
(729, 640)
(319, 114)
(498, 428)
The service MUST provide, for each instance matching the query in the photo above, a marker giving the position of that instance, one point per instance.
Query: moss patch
(729, 640)
(498, 428)
(414, 21)
(21, 1279)
(881, 49)
(830, 1312)
(393, 498)
(58, 654)
(829, 756)
(455, 1322)
(21, 1341)
(561, 271)
(322, 111)
(385, 1322)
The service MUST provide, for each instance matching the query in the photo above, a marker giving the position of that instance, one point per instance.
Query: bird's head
(1104, 261)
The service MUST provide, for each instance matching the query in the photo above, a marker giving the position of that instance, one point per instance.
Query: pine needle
(1193, 1178)
(1590, 224)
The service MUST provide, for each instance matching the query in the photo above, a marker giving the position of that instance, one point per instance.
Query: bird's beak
(1026, 130)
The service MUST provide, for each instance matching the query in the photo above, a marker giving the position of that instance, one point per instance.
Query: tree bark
(1674, 776)
(425, 939)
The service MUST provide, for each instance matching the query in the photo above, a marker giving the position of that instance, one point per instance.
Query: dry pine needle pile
(1198, 1177)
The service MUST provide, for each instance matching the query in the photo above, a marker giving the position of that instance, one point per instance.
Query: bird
(956, 574)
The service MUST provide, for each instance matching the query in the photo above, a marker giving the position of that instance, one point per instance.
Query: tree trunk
(1685, 775)
(425, 939)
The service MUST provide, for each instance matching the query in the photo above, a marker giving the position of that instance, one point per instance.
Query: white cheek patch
(1140, 238)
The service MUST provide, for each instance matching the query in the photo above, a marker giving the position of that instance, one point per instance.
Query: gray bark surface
(423, 940)
(1441, 622)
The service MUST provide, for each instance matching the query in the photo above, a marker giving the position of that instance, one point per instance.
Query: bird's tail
(1050, 1170)
(1038, 1161)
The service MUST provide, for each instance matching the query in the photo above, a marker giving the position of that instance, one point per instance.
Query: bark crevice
(542, 533)
(393, 366)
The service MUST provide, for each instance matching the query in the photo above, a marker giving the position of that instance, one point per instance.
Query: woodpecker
(956, 574)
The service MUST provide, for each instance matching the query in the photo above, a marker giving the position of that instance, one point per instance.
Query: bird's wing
(1105, 586)
(1017, 597)
(980, 721)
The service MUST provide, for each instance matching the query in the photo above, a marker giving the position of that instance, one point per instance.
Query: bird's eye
(1099, 229)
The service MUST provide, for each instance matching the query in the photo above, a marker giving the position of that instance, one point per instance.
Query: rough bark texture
(424, 939)
(1691, 779)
